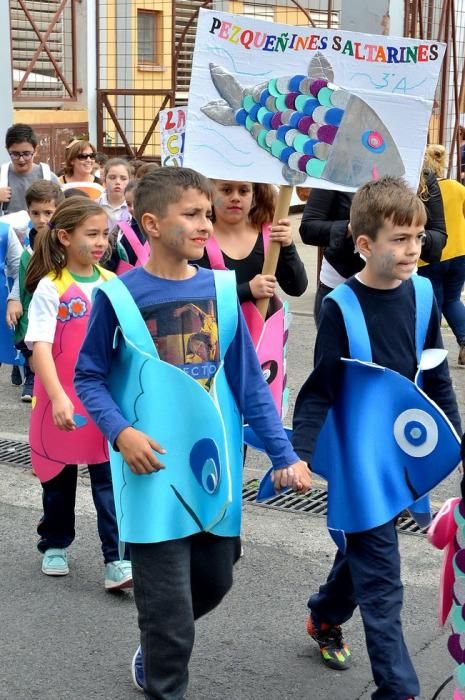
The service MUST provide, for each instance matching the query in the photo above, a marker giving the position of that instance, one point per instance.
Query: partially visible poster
(173, 131)
(305, 106)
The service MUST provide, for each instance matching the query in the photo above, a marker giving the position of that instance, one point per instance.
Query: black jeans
(175, 583)
(368, 575)
(56, 527)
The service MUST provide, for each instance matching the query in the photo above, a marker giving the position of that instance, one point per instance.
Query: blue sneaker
(55, 562)
(118, 574)
(137, 670)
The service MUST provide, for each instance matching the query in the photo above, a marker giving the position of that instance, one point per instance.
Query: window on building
(148, 37)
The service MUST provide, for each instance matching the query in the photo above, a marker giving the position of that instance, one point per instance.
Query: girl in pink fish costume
(62, 275)
(242, 231)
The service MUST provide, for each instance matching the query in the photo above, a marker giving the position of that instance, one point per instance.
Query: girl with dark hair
(242, 232)
(62, 275)
(243, 212)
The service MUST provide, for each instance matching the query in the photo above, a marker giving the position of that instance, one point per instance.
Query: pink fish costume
(141, 250)
(51, 448)
(269, 336)
(448, 533)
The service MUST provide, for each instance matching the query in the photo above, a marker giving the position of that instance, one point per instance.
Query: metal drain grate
(314, 503)
(13, 452)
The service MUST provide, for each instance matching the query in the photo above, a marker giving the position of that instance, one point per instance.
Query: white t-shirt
(43, 309)
(329, 276)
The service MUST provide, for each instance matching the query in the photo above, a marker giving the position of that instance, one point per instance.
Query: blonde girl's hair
(117, 161)
(71, 153)
(49, 253)
(435, 159)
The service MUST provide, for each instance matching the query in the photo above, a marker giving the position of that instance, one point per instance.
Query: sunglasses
(86, 156)
(16, 155)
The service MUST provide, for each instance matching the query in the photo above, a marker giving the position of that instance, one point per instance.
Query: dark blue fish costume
(384, 444)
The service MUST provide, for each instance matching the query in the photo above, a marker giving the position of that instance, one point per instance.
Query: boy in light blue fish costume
(168, 386)
(363, 422)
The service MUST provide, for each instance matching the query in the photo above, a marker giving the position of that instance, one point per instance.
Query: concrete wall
(370, 16)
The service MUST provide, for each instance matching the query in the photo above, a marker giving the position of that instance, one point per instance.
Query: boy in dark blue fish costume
(388, 441)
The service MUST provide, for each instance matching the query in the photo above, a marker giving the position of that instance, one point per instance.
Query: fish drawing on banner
(312, 126)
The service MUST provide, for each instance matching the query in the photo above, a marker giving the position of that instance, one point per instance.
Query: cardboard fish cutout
(312, 126)
(200, 487)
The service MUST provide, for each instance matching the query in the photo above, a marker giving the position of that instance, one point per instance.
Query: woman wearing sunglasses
(79, 169)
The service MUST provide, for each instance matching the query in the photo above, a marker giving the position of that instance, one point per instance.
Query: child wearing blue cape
(375, 313)
(170, 390)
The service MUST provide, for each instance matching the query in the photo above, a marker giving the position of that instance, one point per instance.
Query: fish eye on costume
(270, 370)
(416, 432)
(205, 465)
(373, 141)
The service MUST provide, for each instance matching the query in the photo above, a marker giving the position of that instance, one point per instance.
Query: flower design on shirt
(63, 312)
(77, 307)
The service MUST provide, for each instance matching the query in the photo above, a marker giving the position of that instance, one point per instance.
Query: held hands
(137, 450)
(5, 194)
(63, 411)
(282, 232)
(14, 311)
(263, 286)
(297, 476)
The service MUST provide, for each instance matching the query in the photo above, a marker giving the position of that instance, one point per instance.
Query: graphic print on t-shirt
(186, 335)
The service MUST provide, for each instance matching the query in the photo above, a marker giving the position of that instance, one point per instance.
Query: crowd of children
(187, 254)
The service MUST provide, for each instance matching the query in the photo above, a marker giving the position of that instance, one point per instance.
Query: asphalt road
(67, 639)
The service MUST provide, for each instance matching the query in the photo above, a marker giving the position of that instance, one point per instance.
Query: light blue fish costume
(200, 488)
(311, 125)
(384, 444)
(8, 353)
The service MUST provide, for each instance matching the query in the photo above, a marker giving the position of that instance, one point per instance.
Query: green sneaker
(118, 574)
(334, 652)
(55, 562)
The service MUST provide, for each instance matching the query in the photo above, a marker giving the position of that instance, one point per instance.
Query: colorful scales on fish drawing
(313, 127)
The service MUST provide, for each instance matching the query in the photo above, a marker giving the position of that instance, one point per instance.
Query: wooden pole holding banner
(272, 254)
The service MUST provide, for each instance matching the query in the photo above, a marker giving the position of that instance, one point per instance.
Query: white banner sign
(172, 130)
(300, 105)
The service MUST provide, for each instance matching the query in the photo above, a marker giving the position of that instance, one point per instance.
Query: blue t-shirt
(181, 318)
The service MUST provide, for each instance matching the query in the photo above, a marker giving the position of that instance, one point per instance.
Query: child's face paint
(86, 245)
(232, 201)
(393, 256)
(184, 230)
(40, 214)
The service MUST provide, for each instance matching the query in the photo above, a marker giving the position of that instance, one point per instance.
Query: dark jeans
(175, 583)
(321, 292)
(368, 575)
(448, 278)
(56, 527)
